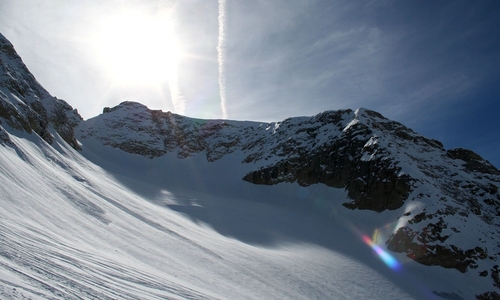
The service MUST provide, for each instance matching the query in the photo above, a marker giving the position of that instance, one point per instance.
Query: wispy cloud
(221, 56)
(178, 100)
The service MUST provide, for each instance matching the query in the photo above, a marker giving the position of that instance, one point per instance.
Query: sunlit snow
(103, 224)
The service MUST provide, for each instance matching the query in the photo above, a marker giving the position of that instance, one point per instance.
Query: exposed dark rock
(25, 117)
(473, 162)
(489, 296)
(64, 119)
(4, 137)
(25, 105)
(495, 271)
(374, 184)
(372, 180)
(161, 132)
(426, 248)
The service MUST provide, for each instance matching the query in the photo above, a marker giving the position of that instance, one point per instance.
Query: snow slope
(445, 202)
(139, 228)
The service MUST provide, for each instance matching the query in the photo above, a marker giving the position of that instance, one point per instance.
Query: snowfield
(104, 224)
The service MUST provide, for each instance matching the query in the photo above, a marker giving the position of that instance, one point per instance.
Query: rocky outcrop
(25, 117)
(156, 133)
(473, 162)
(25, 105)
(4, 137)
(427, 247)
(353, 154)
(350, 160)
(460, 204)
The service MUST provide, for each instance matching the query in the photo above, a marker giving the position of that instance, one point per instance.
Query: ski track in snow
(51, 268)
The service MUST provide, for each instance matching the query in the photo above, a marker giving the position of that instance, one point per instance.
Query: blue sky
(431, 65)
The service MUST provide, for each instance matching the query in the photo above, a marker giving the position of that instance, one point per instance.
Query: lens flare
(388, 259)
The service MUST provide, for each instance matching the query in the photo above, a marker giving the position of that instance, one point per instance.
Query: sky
(432, 65)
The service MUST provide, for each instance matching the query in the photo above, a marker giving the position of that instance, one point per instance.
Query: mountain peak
(127, 105)
(361, 111)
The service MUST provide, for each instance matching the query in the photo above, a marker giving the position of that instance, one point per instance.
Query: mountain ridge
(380, 163)
(448, 200)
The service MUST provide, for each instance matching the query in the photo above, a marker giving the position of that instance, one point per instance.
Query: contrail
(221, 55)
(171, 46)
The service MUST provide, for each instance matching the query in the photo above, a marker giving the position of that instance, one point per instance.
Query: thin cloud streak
(221, 56)
(178, 100)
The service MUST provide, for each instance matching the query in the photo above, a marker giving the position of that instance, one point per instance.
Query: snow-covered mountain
(139, 203)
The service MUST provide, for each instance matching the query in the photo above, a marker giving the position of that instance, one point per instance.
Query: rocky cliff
(25, 105)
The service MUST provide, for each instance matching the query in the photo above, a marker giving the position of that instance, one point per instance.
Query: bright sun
(138, 48)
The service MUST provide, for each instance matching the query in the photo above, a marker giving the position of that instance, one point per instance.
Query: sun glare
(138, 48)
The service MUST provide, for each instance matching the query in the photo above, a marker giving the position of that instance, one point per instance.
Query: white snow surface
(104, 224)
